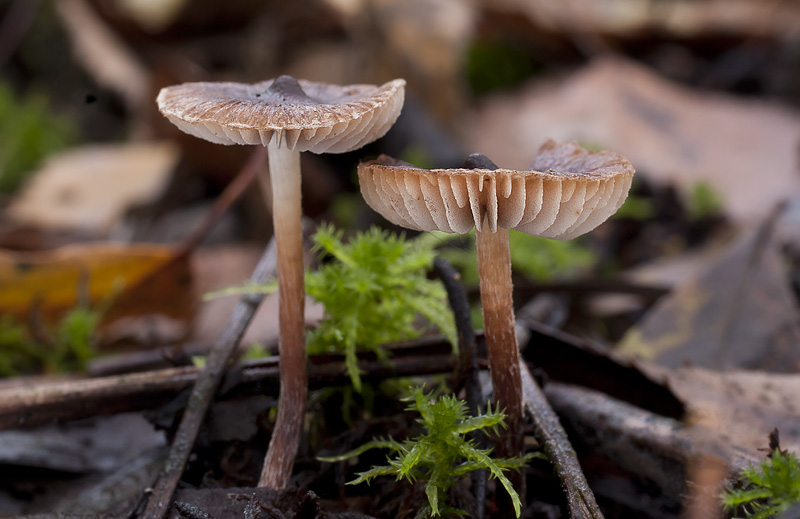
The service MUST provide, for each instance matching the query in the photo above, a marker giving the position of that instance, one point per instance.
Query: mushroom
(287, 116)
(567, 192)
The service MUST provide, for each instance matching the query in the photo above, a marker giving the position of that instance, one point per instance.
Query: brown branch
(654, 447)
(551, 434)
(467, 362)
(232, 192)
(205, 387)
(32, 405)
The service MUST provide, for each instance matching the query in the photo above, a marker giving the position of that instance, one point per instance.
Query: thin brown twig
(467, 360)
(467, 346)
(205, 387)
(36, 403)
(232, 192)
(551, 434)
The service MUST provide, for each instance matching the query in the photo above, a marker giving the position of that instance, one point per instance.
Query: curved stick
(205, 386)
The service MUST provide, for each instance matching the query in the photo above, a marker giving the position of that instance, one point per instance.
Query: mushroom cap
(567, 192)
(297, 114)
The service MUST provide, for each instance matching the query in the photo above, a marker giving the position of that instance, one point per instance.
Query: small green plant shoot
(442, 454)
(373, 288)
(66, 348)
(766, 490)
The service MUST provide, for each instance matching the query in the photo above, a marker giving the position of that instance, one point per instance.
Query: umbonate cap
(567, 192)
(296, 114)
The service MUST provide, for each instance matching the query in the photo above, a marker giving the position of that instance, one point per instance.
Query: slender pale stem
(284, 167)
(494, 270)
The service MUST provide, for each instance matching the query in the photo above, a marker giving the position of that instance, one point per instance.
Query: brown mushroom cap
(297, 114)
(568, 192)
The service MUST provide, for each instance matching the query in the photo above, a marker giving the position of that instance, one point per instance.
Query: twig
(467, 359)
(654, 447)
(551, 434)
(36, 403)
(235, 189)
(467, 354)
(204, 389)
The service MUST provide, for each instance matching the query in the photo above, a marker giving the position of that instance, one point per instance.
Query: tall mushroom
(567, 192)
(287, 116)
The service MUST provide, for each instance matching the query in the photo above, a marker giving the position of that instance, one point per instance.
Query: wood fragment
(205, 387)
(37, 403)
(551, 434)
(467, 361)
(656, 448)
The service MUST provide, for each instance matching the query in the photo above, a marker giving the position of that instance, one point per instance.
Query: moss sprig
(767, 489)
(374, 288)
(442, 454)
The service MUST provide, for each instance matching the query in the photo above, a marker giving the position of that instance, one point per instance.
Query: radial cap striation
(567, 192)
(302, 115)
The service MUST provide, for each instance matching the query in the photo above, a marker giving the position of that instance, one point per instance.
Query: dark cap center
(288, 90)
(479, 161)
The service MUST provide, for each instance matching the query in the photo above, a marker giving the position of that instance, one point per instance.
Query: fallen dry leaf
(678, 17)
(90, 188)
(51, 280)
(737, 311)
(100, 444)
(152, 16)
(743, 406)
(746, 150)
(423, 41)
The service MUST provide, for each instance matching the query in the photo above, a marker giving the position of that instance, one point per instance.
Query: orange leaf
(52, 280)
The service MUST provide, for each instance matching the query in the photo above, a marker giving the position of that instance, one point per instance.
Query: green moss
(374, 289)
(766, 490)
(442, 454)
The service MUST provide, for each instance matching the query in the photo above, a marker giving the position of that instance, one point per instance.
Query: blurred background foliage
(29, 132)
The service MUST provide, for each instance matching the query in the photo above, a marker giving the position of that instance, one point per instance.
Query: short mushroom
(287, 116)
(567, 192)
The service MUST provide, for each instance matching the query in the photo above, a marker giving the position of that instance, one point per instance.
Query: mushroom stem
(284, 167)
(494, 270)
